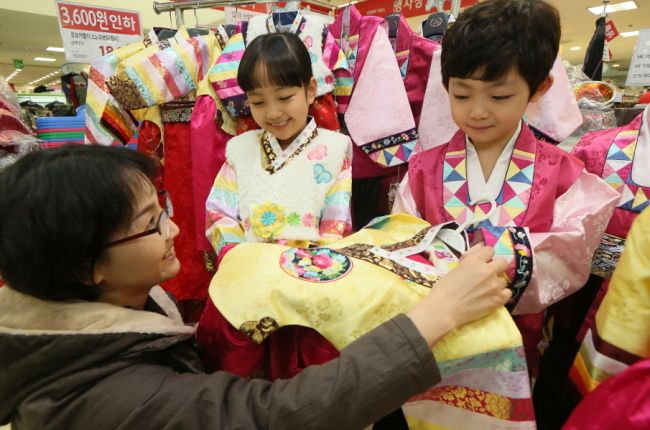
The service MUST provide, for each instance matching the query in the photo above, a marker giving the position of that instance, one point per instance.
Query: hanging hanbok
(563, 211)
(620, 157)
(374, 103)
(322, 49)
(170, 78)
(485, 379)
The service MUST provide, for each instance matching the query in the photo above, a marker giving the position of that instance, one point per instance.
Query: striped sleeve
(222, 221)
(336, 217)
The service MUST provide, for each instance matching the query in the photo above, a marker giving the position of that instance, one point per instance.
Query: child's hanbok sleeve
(560, 258)
(336, 217)
(547, 267)
(223, 226)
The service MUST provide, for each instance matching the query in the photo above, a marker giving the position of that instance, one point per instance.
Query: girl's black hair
(58, 209)
(277, 59)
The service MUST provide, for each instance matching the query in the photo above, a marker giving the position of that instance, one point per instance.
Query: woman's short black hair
(492, 37)
(277, 59)
(58, 209)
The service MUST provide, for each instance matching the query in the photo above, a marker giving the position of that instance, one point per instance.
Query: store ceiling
(27, 35)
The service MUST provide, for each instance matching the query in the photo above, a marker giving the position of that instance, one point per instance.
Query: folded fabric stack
(57, 131)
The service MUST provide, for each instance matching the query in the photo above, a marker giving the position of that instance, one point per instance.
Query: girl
(89, 341)
(290, 181)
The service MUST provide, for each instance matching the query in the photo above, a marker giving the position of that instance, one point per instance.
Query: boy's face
(489, 112)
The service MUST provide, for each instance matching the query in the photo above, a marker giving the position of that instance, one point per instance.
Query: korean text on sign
(90, 32)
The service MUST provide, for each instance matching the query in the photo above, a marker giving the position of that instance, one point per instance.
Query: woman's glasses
(162, 226)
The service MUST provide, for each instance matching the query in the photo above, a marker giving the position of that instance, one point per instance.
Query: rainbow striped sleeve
(222, 219)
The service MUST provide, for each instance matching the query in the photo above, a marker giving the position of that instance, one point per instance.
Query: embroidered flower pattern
(268, 219)
(293, 219)
(308, 220)
(317, 265)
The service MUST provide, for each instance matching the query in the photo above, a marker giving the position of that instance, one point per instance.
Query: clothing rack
(179, 7)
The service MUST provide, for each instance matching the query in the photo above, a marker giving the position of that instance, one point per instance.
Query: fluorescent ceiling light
(617, 7)
(575, 48)
(44, 59)
(346, 4)
(616, 65)
(53, 48)
(630, 34)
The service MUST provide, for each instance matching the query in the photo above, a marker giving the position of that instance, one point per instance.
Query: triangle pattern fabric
(513, 200)
(521, 177)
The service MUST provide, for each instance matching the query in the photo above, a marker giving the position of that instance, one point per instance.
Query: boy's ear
(543, 88)
(311, 90)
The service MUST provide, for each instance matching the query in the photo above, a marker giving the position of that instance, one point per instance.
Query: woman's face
(140, 264)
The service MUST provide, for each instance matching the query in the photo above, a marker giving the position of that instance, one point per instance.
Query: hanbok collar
(295, 26)
(641, 162)
(478, 187)
(629, 145)
(276, 158)
(514, 197)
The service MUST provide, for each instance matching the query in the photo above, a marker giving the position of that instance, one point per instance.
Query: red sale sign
(610, 31)
(90, 32)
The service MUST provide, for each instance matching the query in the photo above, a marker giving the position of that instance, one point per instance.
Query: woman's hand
(469, 292)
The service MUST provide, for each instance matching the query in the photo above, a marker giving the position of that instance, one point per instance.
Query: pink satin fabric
(208, 155)
(621, 402)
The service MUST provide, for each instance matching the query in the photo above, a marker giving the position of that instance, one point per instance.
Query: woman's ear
(311, 90)
(95, 277)
(543, 88)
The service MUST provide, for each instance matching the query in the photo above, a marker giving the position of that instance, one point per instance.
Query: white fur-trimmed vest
(311, 35)
(288, 203)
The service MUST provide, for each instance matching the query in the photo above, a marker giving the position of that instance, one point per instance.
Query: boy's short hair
(492, 37)
(58, 209)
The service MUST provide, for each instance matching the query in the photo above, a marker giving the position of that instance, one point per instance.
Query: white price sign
(90, 32)
(234, 15)
(639, 73)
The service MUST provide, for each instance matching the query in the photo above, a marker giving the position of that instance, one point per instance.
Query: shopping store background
(29, 27)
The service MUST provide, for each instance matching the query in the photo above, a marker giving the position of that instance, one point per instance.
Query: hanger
(393, 24)
(194, 31)
(435, 25)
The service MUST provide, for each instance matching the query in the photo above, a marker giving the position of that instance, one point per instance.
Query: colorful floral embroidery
(268, 219)
(387, 142)
(318, 154)
(293, 219)
(308, 220)
(317, 264)
(321, 175)
(277, 158)
(607, 256)
(523, 265)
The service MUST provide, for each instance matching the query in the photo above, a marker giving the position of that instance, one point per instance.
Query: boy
(549, 213)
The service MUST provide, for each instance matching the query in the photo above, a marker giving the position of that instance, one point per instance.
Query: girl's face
(282, 111)
(132, 268)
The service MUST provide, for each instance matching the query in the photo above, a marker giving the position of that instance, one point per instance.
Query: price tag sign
(639, 74)
(90, 32)
(610, 31)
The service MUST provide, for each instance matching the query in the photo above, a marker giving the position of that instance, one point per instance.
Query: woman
(89, 341)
